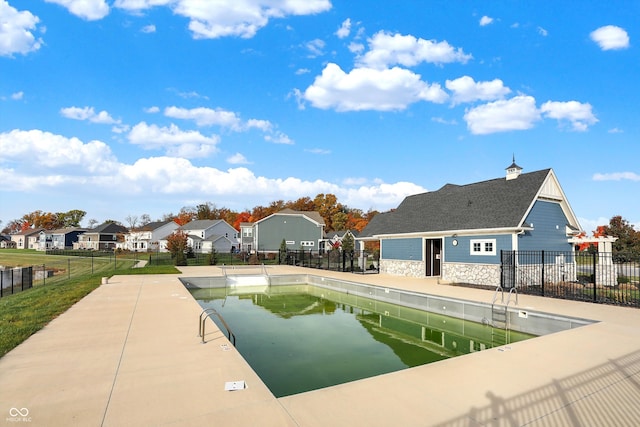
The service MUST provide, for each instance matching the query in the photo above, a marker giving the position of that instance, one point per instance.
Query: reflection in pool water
(301, 337)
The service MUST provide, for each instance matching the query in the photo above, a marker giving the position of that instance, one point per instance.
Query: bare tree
(145, 219)
(132, 220)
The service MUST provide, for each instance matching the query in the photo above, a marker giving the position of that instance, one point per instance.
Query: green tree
(212, 257)
(628, 237)
(348, 243)
(71, 218)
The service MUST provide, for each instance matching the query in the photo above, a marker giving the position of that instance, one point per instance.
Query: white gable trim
(550, 190)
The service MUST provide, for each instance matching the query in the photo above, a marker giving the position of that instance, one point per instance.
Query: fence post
(44, 274)
(542, 273)
(595, 275)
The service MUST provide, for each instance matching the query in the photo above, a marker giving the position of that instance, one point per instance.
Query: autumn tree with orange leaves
(628, 238)
(336, 216)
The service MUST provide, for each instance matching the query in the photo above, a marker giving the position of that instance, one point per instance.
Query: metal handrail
(515, 291)
(495, 295)
(201, 330)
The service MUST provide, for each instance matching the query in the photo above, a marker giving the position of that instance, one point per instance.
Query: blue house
(458, 232)
(298, 229)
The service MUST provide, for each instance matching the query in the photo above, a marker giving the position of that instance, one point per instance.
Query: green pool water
(301, 337)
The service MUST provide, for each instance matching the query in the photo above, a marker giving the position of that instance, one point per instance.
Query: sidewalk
(128, 354)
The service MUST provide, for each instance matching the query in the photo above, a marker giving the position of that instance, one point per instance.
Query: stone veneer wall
(403, 268)
(476, 274)
(531, 274)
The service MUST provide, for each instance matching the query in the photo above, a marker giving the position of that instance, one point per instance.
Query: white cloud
(344, 29)
(152, 110)
(615, 130)
(485, 20)
(590, 225)
(203, 116)
(278, 138)
(444, 121)
(225, 18)
(318, 151)
(543, 32)
(370, 89)
(301, 71)
(176, 142)
(90, 10)
(386, 49)
(53, 162)
(617, 176)
(88, 113)
(36, 150)
(17, 96)
(465, 89)
(263, 125)
(517, 113)
(610, 37)
(148, 29)
(16, 31)
(237, 159)
(356, 48)
(579, 115)
(315, 48)
(384, 195)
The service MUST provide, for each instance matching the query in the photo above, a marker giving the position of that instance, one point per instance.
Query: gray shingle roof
(497, 203)
(200, 224)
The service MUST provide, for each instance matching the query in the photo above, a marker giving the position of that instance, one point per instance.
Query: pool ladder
(203, 318)
(500, 330)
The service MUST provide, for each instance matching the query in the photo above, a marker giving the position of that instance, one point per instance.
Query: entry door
(433, 251)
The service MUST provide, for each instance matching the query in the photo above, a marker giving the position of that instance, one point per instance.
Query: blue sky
(132, 107)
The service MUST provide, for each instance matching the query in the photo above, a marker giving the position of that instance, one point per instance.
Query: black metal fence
(59, 269)
(14, 280)
(334, 260)
(597, 277)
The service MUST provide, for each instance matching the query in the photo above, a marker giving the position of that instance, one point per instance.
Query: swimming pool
(301, 333)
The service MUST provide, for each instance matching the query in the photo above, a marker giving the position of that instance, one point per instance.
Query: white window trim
(483, 247)
(307, 243)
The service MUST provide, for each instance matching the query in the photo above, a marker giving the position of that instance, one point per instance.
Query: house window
(307, 243)
(483, 247)
(247, 232)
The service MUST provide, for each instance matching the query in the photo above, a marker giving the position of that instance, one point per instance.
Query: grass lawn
(25, 313)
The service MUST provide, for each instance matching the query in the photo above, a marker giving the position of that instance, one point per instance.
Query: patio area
(129, 354)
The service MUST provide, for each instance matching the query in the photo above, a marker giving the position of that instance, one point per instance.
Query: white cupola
(513, 171)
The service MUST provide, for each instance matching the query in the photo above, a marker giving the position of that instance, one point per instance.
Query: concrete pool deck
(129, 354)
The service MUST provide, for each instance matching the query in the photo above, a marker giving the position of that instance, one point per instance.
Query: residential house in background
(334, 239)
(246, 237)
(207, 234)
(299, 230)
(27, 239)
(6, 242)
(457, 233)
(103, 237)
(149, 237)
(63, 238)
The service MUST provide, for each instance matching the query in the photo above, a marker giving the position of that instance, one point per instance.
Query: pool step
(499, 325)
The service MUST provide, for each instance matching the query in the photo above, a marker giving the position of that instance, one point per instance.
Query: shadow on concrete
(590, 398)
